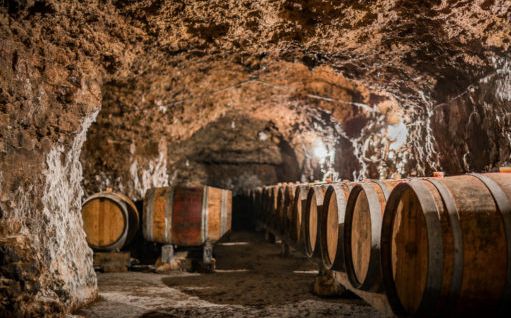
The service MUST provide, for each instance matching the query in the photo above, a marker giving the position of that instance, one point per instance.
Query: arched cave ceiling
(342, 72)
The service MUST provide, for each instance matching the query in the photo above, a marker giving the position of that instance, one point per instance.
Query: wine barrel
(257, 192)
(186, 216)
(264, 204)
(362, 232)
(300, 201)
(289, 198)
(281, 209)
(332, 225)
(269, 206)
(110, 220)
(273, 208)
(446, 246)
(312, 218)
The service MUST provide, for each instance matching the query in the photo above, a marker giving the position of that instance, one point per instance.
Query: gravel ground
(252, 280)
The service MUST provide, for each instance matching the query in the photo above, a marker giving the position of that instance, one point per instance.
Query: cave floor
(252, 280)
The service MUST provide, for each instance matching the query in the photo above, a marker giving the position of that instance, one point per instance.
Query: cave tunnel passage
(131, 96)
(238, 149)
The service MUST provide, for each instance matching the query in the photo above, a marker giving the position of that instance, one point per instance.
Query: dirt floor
(252, 280)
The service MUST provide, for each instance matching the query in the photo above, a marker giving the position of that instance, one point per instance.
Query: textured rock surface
(390, 88)
(49, 96)
(232, 93)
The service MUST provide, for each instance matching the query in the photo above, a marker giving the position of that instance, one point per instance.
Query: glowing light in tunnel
(262, 136)
(397, 134)
(320, 151)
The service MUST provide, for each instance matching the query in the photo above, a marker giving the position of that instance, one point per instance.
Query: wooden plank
(377, 300)
(112, 261)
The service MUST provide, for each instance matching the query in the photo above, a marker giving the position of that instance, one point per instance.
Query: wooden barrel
(269, 204)
(312, 218)
(110, 220)
(256, 202)
(362, 232)
(273, 207)
(281, 209)
(186, 216)
(299, 204)
(332, 225)
(446, 246)
(289, 198)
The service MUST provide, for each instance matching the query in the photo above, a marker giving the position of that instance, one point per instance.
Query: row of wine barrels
(186, 216)
(435, 246)
(110, 220)
(446, 246)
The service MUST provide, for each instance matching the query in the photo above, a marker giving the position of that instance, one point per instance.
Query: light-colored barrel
(362, 232)
(186, 216)
(110, 220)
(312, 219)
(332, 225)
(298, 209)
(446, 246)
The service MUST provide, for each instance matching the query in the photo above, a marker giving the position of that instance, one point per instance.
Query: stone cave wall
(48, 99)
(233, 94)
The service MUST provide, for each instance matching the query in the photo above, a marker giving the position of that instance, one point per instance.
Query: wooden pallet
(111, 261)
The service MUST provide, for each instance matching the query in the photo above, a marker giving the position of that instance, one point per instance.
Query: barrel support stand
(284, 249)
(202, 258)
(167, 253)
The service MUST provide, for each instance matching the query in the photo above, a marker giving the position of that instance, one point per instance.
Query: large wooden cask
(186, 216)
(446, 246)
(110, 220)
(362, 233)
(332, 225)
(312, 219)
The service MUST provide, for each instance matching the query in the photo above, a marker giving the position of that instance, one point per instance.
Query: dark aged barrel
(300, 201)
(110, 220)
(269, 203)
(257, 192)
(332, 225)
(312, 218)
(186, 216)
(362, 232)
(272, 206)
(281, 209)
(289, 198)
(446, 246)
(265, 201)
